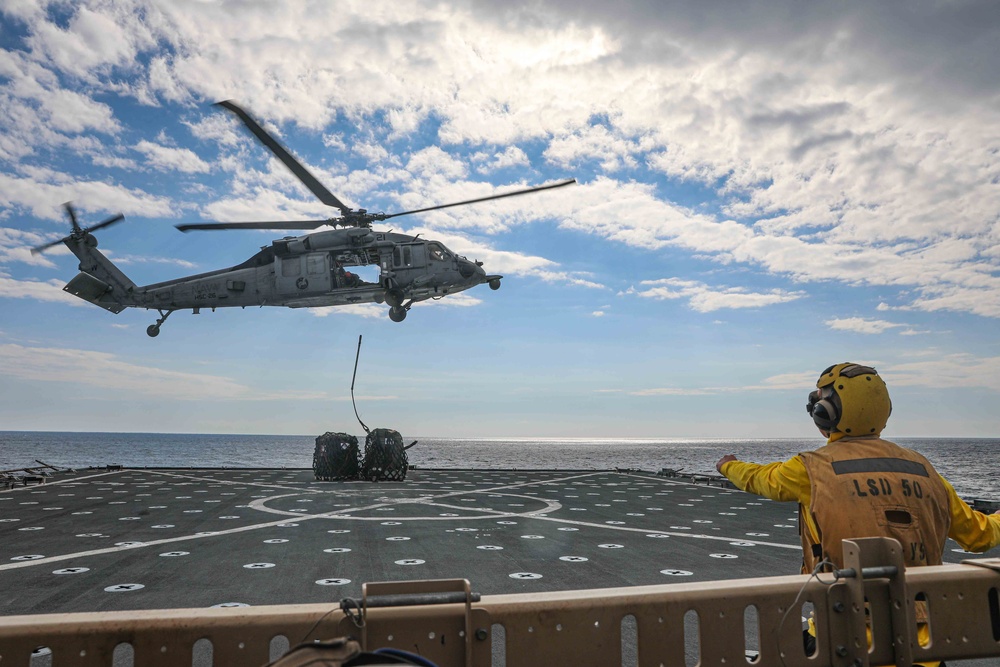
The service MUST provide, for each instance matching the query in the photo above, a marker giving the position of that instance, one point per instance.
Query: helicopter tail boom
(100, 282)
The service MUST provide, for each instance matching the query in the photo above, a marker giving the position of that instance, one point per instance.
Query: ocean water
(970, 464)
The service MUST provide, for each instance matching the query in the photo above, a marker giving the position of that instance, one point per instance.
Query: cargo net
(336, 457)
(385, 457)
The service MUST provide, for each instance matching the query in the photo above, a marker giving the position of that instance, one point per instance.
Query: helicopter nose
(468, 269)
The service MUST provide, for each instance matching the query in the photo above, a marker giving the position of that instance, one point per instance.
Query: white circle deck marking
(532, 537)
(489, 547)
(332, 582)
(71, 570)
(677, 573)
(409, 561)
(32, 528)
(174, 554)
(163, 525)
(122, 588)
(336, 550)
(258, 566)
(611, 546)
(339, 531)
(723, 555)
(657, 535)
(568, 529)
(524, 575)
(130, 544)
(574, 559)
(230, 604)
(397, 539)
(27, 557)
(275, 541)
(743, 544)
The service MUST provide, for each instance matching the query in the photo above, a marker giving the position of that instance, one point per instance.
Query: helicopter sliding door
(409, 262)
(302, 273)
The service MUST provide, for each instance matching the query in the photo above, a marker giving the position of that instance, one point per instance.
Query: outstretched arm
(787, 480)
(973, 530)
(724, 460)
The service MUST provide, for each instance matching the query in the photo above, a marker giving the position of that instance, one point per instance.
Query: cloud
(938, 371)
(374, 310)
(51, 290)
(706, 299)
(512, 156)
(946, 371)
(166, 158)
(862, 325)
(107, 372)
(826, 144)
(44, 191)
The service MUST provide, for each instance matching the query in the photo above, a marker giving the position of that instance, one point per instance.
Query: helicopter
(295, 271)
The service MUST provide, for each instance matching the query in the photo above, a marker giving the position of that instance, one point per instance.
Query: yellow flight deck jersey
(789, 481)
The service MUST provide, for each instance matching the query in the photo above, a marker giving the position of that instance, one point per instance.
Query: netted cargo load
(336, 457)
(385, 457)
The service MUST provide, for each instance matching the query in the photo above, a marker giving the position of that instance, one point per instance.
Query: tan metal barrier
(727, 623)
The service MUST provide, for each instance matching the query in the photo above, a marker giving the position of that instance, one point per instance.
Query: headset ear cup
(825, 416)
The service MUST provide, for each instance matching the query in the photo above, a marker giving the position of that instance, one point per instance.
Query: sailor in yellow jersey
(859, 485)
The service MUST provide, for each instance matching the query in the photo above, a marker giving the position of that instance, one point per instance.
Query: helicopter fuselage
(312, 270)
(296, 272)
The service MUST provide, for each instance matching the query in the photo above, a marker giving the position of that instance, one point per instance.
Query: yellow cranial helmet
(850, 398)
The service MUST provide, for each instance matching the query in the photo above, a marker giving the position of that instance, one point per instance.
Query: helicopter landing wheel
(394, 297)
(397, 313)
(495, 284)
(153, 330)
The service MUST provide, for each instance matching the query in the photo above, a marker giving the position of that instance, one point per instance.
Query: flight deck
(101, 540)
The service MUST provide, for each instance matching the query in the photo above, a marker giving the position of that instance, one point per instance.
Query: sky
(763, 189)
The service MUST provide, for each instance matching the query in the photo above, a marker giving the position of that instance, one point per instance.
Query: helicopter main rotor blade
(280, 224)
(548, 186)
(287, 158)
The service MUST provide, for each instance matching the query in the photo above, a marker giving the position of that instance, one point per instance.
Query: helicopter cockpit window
(291, 267)
(436, 252)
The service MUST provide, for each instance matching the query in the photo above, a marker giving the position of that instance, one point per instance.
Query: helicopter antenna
(356, 357)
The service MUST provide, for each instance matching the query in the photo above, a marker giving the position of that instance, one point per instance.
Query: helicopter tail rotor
(78, 233)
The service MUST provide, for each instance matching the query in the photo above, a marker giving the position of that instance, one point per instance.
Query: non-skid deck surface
(145, 539)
